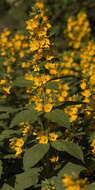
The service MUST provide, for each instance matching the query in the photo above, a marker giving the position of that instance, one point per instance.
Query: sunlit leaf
(69, 147)
(71, 169)
(34, 154)
(57, 183)
(7, 187)
(21, 82)
(91, 186)
(23, 116)
(26, 179)
(58, 116)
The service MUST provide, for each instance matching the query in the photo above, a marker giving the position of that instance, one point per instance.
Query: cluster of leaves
(47, 105)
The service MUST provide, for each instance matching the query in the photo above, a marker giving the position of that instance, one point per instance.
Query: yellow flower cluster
(41, 47)
(93, 146)
(43, 139)
(77, 30)
(71, 184)
(26, 129)
(80, 64)
(17, 145)
(73, 111)
(12, 49)
(45, 98)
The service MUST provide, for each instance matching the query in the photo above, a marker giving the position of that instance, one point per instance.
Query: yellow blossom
(48, 107)
(42, 139)
(54, 159)
(19, 142)
(53, 136)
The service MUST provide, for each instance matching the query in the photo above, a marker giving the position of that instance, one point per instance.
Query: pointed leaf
(33, 155)
(7, 187)
(23, 116)
(91, 186)
(4, 116)
(71, 169)
(58, 116)
(92, 136)
(26, 179)
(1, 169)
(6, 134)
(21, 82)
(69, 147)
(7, 109)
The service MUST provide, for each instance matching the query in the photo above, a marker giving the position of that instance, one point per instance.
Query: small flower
(18, 151)
(48, 107)
(53, 136)
(42, 139)
(19, 142)
(54, 159)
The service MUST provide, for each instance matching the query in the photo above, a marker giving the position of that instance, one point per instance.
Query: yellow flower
(54, 159)
(19, 142)
(42, 139)
(39, 107)
(48, 107)
(3, 81)
(86, 93)
(21, 124)
(74, 184)
(28, 76)
(73, 117)
(21, 54)
(26, 130)
(60, 98)
(64, 93)
(83, 85)
(48, 91)
(67, 180)
(34, 45)
(18, 151)
(53, 136)
(7, 89)
(25, 64)
(39, 5)
(12, 143)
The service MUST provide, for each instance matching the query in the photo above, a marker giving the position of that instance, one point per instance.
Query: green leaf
(92, 137)
(6, 134)
(23, 116)
(7, 187)
(91, 186)
(21, 82)
(58, 116)
(71, 170)
(26, 179)
(69, 147)
(2, 123)
(1, 169)
(7, 109)
(4, 116)
(52, 85)
(33, 155)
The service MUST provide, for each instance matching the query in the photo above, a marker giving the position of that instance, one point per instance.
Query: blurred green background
(14, 12)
